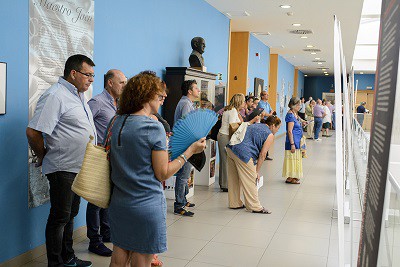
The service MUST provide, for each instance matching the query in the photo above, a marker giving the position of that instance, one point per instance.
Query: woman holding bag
(139, 163)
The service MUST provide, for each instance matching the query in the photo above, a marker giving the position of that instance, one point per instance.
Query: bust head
(198, 44)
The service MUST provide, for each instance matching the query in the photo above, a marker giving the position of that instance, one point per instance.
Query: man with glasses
(103, 107)
(190, 92)
(58, 134)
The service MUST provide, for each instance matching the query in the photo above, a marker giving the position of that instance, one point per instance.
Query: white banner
(58, 29)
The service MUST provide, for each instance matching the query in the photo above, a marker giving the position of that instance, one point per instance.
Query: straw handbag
(93, 181)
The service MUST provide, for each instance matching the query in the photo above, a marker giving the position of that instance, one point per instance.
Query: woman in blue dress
(139, 163)
(293, 165)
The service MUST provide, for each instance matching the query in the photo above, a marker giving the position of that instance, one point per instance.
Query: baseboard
(79, 235)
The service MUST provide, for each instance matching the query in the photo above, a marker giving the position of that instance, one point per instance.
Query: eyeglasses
(89, 75)
(161, 97)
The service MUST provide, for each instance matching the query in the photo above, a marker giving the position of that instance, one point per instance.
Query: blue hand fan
(195, 125)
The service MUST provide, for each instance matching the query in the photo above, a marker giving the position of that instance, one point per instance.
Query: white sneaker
(318, 140)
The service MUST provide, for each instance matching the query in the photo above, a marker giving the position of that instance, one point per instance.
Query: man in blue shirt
(267, 110)
(58, 134)
(190, 92)
(103, 107)
(360, 113)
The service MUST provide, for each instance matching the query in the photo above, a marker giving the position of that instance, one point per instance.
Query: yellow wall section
(273, 79)
(238, 63)
(295, 82)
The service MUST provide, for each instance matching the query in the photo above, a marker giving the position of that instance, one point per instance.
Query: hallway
(299, 232)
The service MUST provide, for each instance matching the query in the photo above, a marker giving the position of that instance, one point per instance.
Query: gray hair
(293, 102)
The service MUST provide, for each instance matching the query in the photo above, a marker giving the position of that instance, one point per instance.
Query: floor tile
(278, 258)
(172, 262)
(245, 237)
(211, 217)
(229, 255)
(308, 216)
(190, 229)
(183, 248)
(300, 244)
(305, 229)
(254, 221)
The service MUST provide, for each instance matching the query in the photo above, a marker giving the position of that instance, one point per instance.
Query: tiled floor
(299, 232)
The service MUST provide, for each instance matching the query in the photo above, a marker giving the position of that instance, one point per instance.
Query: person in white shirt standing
(327, 120)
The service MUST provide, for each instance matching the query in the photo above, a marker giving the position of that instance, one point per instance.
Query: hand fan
(195, 125)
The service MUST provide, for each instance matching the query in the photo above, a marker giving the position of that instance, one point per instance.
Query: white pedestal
(207, 174)
(169, 187)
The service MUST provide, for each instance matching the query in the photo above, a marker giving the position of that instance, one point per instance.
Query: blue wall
(315, 86)
(286, 76)
(126, 37)
(258, 66)
(364, 81)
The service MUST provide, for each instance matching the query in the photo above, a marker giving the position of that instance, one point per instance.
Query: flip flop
(263, 211)
(156, 261)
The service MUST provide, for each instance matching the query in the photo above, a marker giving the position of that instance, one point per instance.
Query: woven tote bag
(93, 180)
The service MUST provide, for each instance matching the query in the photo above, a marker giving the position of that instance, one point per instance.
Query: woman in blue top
(293, 165)
(139, 163)
(244, 163)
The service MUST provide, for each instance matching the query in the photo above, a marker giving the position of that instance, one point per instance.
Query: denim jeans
(317, 127)
(333, 120)
(181, 186)
(60, 224)
(98, 226)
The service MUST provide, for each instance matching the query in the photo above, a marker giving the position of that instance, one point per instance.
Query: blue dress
(138, 208)
(297, 131)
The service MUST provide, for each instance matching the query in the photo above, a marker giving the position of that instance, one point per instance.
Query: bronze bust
(196, 59)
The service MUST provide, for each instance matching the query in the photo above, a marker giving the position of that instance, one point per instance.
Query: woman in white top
(327, 120)
(230, 115)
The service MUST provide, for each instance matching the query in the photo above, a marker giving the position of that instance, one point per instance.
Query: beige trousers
(242, 177)
(310, 129)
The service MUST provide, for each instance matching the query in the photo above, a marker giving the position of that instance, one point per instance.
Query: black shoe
(268, 158)
(224, 189)
(101, 250)
(183, 212)
(106, 239)
(75, 262)
(190, 205)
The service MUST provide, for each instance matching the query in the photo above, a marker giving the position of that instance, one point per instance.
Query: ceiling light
(319, 63)
(317, 58)
(313, 53)
(361, 72)
(305, 75)
(310, 46)
(303, 37)
(326, 74)
(285, 6)
(296, 24)
(323, 69)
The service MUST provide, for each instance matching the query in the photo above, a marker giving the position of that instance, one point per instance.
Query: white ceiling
(315, 15)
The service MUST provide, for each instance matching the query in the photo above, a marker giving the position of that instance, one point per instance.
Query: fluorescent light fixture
(361, 72)
(285, 6)
(319, 63)
(323, 69)
(317, 58)
(326, 74)
(313, 53)
(303, 37)
(310, 46)
(305, 75)
(296, 24)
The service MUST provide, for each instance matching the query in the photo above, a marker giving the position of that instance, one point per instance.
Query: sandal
(295, 181)
(238, 208)
(263, 211)
(156, 261)
(289, 180)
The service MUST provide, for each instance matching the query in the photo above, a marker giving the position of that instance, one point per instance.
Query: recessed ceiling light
(326, 74)
(305, 75)
(319, 63)
(361, 72)
(303, 37)
(285, 6)
(317, 58)
(313, 53)
(310, 46)
(296, 24)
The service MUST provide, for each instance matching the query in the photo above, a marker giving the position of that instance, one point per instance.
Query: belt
(317, 117)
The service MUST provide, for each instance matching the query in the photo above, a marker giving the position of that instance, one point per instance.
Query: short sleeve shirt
(318, 111)
(297, 131)
(66, 121)
(361, 109)
(265, 105)
(185, 105)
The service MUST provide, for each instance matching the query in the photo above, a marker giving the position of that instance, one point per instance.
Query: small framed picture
(258, 86)
(3, 87)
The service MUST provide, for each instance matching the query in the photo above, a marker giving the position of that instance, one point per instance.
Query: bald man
(103, 107)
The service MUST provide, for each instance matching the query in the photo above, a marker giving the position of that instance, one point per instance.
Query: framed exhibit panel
(3, 87)
(258, 86)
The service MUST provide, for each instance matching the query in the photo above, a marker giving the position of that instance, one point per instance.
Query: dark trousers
(60, 224)
(98, 227)
(302, 115)
(317, 127)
